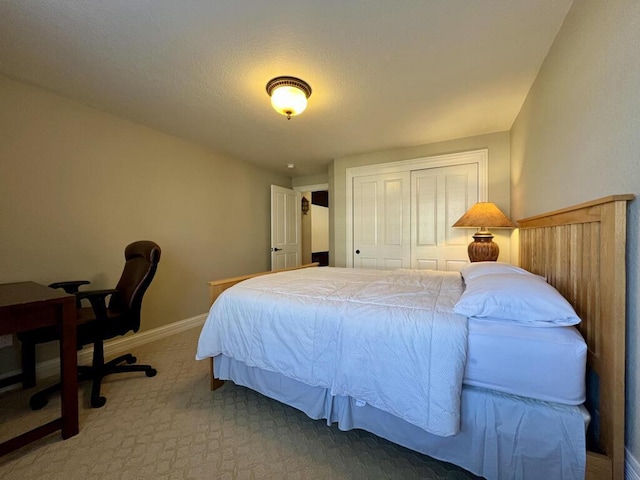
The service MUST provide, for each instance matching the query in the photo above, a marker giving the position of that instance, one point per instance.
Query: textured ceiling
(385, 74)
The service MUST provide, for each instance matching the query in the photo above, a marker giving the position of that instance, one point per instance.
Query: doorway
(315, 224)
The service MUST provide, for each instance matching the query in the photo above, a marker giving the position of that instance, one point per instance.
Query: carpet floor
(172, 427)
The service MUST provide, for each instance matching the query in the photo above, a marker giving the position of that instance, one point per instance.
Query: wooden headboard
(581, 252)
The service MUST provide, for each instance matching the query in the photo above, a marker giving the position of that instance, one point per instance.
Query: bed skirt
(501, 436)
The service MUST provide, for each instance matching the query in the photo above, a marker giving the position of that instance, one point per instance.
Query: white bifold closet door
(439, 197)
(403, 219)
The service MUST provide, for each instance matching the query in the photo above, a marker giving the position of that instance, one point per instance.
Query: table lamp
(483, 215)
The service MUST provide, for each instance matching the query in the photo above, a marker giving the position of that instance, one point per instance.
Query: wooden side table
(26, 306)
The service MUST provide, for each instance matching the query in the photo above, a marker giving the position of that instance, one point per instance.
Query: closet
(401, 213)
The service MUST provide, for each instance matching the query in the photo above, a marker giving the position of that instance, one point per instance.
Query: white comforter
(387, 338)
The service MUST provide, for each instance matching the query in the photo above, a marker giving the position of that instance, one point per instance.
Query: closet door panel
(381, 221)
(439, 197)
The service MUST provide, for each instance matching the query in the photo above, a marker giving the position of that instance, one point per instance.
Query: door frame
(481, 157)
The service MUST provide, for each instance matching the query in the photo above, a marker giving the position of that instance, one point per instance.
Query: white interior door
(286, 249)
(439, 196)
(381, 221)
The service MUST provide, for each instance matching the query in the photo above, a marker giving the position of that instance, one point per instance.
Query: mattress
(541, 363)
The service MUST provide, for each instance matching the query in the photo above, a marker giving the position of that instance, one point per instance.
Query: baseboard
(631, 467)
(51, 367)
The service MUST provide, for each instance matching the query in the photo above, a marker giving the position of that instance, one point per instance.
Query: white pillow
(478, 269)
(513, 297)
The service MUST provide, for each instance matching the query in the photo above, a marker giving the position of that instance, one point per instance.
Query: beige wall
(577, 138)
(309, 180)
(320, 230)
(306, 232)
(496, 143)
(78, 185)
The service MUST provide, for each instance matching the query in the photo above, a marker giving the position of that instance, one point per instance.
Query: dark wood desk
(27, 306)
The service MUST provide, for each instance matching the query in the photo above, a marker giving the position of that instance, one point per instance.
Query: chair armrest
(97, 300)
(95, 293)
(70, 286)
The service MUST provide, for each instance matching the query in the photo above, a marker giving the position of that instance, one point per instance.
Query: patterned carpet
(172, 427)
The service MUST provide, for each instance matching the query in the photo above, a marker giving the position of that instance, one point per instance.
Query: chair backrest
(141, 262)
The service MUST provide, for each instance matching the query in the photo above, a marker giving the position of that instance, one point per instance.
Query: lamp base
(483, 248)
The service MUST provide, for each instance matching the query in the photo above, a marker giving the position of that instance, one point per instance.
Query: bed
(503, 425)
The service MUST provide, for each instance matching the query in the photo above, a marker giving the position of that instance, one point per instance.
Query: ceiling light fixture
(288, 95)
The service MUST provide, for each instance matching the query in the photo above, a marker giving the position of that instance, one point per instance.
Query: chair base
(40, 399)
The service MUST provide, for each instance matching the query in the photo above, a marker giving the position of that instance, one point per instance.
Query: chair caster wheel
(130, 359)
(37, 402)
(151, 373)
(98, 402)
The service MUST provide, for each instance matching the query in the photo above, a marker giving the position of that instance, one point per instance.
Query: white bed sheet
(541, 363)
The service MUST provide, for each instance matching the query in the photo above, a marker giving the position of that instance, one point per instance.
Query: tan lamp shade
(483, 215)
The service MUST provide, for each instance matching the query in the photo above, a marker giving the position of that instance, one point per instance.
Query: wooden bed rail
(581, 252)
(216, 287)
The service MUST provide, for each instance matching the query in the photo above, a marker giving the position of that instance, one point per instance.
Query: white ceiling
(384, 74)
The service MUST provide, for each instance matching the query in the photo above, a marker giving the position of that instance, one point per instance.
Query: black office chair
(99, 323)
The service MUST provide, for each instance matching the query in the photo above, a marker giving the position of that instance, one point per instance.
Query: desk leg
(69, 371)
